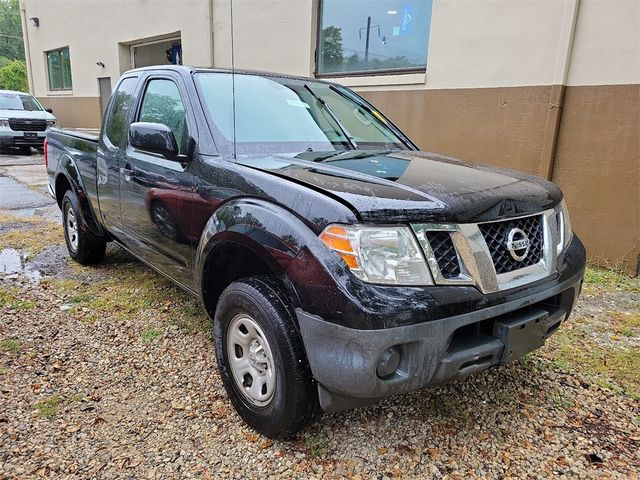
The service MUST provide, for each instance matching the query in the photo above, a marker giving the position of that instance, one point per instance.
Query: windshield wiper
(343, 130)
(407, 143)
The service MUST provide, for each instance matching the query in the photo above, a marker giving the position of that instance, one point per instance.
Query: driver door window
(162, 104)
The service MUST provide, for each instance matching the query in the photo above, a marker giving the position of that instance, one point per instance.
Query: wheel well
(62, 185)
(226, 264)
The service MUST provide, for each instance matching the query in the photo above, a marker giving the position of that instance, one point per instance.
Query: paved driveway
(23, 186)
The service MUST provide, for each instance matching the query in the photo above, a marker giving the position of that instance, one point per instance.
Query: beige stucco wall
(274, 35)
(93, 30)
(606, 50)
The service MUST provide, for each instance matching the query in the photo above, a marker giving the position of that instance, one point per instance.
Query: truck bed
(88, 134)
(78, 148)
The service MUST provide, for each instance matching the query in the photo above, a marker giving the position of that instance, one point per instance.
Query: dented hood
(408, 186)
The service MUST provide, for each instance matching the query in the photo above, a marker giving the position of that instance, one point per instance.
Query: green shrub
(13, 76)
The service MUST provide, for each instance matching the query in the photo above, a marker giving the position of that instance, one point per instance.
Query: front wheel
(83, 246)
(262, 359)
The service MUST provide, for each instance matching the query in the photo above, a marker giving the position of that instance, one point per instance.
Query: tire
(83, 246)
(286, 398)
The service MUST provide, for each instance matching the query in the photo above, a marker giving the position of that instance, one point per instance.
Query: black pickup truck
(338, 262)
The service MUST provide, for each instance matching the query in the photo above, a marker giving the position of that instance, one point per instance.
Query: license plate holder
(30, 136)
(521, 333)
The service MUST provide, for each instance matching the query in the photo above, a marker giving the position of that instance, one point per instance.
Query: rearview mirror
(50, 110)
(154, 138)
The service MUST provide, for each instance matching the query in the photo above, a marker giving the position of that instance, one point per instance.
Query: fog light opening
(388, 363)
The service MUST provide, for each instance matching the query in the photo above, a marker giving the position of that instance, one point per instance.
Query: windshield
(13, 101)
(289, 115)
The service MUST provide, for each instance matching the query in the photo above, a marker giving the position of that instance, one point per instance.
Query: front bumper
(12, 138)
(344, 360)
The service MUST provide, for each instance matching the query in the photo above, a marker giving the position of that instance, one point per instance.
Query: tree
(13, 76)
(11, 45)
(332, 46)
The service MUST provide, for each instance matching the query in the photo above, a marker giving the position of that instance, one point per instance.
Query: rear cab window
(117, 123)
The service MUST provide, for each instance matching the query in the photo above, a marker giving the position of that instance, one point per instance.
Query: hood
(34, 115)
(408, 186)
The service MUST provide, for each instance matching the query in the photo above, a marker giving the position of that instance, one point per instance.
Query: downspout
(27, 49)
(560, 75)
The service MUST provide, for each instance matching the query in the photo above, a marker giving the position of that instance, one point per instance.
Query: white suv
(23, 121)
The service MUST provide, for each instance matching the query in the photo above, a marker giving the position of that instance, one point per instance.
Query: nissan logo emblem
(518, 244)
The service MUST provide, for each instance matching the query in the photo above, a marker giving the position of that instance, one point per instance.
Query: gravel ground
(108, 372)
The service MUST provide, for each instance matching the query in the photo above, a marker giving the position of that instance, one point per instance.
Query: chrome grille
(480, 251)
(27, 125)
(496, 234)
(445, 253)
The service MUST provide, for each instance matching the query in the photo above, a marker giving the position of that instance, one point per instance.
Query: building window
(59, 67)
(356, 37)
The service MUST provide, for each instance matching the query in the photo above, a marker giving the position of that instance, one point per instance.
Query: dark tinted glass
(66, 68)
(118, 122)
(59, 69)
(53, 64)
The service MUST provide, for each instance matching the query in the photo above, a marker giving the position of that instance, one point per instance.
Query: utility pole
(368, 36)
(366, 48)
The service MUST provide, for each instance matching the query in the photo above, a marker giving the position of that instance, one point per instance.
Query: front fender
(275, 234)
(68, 168)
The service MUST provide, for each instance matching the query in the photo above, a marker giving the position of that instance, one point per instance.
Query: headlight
(51, 123)
(387, 255)
(4, 122)
(564, 226)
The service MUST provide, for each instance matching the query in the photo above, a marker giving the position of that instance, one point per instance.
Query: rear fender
(68, 169)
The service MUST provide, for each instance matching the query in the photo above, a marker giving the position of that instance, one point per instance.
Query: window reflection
(370, 35)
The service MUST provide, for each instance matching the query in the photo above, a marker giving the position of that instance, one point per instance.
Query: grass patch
(559, 400)
(37, 234)
(37, 187)
(316, 445)
(190, 315)
(120, 297)
(596, 278)
(133, 289)
(8, 299)
(611, 366)
(150, 334)
(625, 323)
(76, 397)
(10, 345)
(4, 371)
(49, 408)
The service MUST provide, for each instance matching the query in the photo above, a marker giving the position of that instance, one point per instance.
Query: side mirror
(154, 138)
(50, 110)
